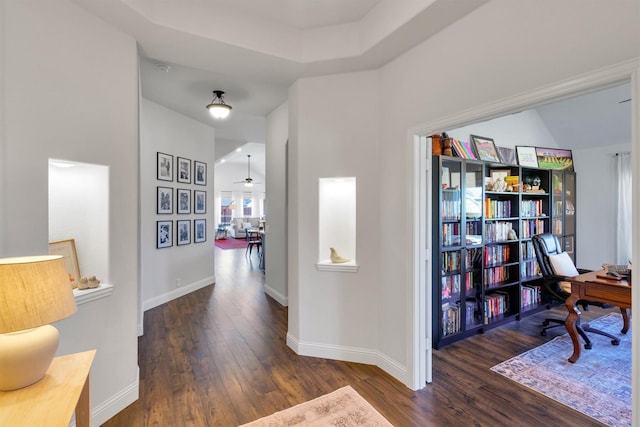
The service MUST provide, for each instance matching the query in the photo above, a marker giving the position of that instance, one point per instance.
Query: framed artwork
(165, 167)
(184, 232)
(527, 156)
(184, 170)
(463, 149)
(486, 148)
(199, 230)
(200, 173)
(164, 238)
(554, 158)
(199, 202)
(67, 248)
(184, 201)
(507, 155)
(497, 174)
(165, 200)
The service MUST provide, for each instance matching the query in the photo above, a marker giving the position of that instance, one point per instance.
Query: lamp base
(26, 355)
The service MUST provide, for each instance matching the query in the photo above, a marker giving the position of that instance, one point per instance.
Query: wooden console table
(594, 286)
(51, 401)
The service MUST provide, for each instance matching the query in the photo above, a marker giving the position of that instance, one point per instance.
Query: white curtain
(623, 235)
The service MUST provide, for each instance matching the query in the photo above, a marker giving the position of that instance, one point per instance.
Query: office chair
(546, 245)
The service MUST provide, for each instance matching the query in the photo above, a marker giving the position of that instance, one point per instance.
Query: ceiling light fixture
(248, 181)
(218, 109)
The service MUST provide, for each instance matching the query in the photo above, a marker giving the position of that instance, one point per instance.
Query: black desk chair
(547, 245)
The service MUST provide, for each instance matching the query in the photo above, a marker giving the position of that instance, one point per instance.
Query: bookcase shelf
(486, 273)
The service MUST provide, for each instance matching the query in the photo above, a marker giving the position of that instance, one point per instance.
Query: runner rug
(343, 407)
(598, 384)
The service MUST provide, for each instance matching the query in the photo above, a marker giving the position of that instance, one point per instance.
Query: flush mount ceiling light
(218, 109)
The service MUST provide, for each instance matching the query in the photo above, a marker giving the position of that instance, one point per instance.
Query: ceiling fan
(248, 181)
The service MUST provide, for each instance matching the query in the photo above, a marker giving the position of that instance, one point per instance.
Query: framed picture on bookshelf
(165, 167)
(527, 156)
(486, 148)
(199, 230)
(554, 158)
(164, 234)
(463, 149)
(184, 232)
(507, 155)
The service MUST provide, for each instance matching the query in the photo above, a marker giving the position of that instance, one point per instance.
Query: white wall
(276, 230)
(70, 91)
(168, 273)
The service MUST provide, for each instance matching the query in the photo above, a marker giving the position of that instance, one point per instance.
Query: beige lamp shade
(34, 291)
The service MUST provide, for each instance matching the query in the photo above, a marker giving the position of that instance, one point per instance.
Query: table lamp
(34, 291)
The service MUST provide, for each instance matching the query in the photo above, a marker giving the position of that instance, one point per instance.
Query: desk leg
(625, 318)
(570, 324)
(83, 407)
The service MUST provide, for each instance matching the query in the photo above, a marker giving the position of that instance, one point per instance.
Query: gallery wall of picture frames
(187, 201)
(484, 148)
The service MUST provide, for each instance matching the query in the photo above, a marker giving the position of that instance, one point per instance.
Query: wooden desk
(50, 402)
(590, 287)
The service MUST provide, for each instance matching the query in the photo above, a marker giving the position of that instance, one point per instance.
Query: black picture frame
(199, 202)
(164, 198)
(199, 173)
(485, 148)
(199, 230)
(507, 155)
(183, 200)
(183, 232)
(164, 234)
(164, 167)
(527, 156)
(183, 170)
(554, 158)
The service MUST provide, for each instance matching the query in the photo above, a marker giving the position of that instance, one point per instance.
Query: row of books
(556, 227)
(493, 276)
(450, 209)
(530, 268)
(497, 208)
(531, 227)
(497, 231)
(451, 316)
(531, 208)
(527, 250)
(495, 305)
(496, 254)
(451, 285)
(451, 260)
(530, 295)
(450, 234)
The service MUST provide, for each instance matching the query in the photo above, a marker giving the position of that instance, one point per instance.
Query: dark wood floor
(218, 357)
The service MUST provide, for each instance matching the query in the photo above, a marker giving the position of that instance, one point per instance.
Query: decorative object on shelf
(248, 181)
(184, 170)
(164, 237)
(35, 293)
(527, 156)
(200, 173)
(218, 108)
(486, 148)
(507, 155)
(447, 145)
(67, 248)
(184, 201)
(511, 235)
(164, 200)
(93, 282)
(500, 185)
(336, 258)
(83, 283)
(436, 144)
(554, 158)
(165, 167)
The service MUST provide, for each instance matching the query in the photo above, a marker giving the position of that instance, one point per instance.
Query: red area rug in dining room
(231, 243)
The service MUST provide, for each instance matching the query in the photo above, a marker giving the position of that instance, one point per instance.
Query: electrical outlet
(178, 282)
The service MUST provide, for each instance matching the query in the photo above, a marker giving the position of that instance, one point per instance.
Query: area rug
(231, 243)
(598, 384)
(343, 407)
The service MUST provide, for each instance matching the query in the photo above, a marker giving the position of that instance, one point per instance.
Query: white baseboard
(280, 298)
(176, 293)
(107, 409)
(349, 354)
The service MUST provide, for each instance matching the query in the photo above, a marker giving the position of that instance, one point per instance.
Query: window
(247, 204)
(226, 206)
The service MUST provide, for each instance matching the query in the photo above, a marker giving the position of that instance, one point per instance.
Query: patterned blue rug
(598, 384)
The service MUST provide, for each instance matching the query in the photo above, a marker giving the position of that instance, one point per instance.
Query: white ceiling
(254, 50)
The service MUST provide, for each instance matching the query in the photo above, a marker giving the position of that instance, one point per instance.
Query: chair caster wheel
(615, 342)
(543, 333)
(588, 346)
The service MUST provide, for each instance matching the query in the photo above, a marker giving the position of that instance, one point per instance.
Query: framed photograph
(507, 155)
(497, 174)
(554, 158)
(67, 248)
(164, 237)
(199, 173)
(527, 156)
(199, 230)
(184, 201)
(184, 232)
(165, 167)
(165, 200)
(463, 149)
(184, 170)
(486, 148)
(199, 202)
